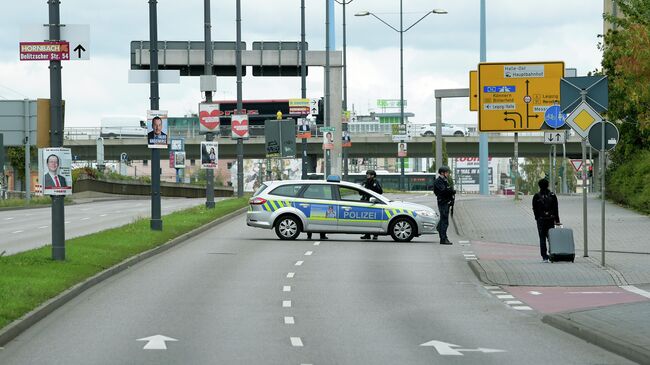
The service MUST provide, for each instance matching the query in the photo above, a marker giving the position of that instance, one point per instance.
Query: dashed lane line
(289, 320)
(286, 304)
(286, 288)
(317, 243)
(291, 275)
(635, 290)
(41, 227)
(19, 231)
(309, 253)
(299, 263)
(296, 342)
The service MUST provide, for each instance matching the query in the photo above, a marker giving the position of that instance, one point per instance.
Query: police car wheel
(287, 227)
(402, 230)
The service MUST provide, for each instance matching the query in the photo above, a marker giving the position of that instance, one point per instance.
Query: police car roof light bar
(333, 178)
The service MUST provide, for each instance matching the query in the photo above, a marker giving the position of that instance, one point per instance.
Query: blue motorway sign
(554, 117)
(499, 89)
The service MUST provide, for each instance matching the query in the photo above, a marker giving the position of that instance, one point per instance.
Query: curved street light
(401, 32)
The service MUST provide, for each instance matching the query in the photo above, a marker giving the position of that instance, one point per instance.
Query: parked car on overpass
(429, 130)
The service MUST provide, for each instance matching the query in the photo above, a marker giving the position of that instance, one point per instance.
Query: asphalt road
(25, 229)
(237, 295)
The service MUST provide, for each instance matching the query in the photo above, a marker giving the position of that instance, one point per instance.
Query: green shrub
(629, 182)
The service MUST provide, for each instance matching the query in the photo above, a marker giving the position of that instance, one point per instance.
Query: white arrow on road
(156, 342)
(445, 348)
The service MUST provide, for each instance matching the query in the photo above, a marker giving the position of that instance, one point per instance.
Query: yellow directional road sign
(513, 97)
(473, 90)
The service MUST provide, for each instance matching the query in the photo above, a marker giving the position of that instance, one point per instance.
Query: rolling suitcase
(560, 244)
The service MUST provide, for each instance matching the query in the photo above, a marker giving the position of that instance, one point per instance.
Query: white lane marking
(299, 263)
(491, 287)
(286, 304)
(535, 292)
(522, 307)
(468, 251)
(463, 242)
(308, 253)
(505, 297)
(445, 348)
(495, 292)
(66, 222)
(286, 288)
(511, 302)
(469, 255)
(296, 342)
(291, 275)
(85, 219)
(156, 342)
(635, 290)
(20, 231)
(10, 218)
(289, 320)
(41, 227)
(471, 258)
(317, 243)
(103, 215)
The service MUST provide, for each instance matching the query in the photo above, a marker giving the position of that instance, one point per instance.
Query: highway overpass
(371, 145)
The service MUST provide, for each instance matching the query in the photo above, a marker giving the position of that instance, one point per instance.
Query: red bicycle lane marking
(561, 299)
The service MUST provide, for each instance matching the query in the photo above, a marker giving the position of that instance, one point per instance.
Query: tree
(16, 158)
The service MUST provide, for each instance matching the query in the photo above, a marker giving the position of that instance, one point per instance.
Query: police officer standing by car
(371, 183)
(445, 195)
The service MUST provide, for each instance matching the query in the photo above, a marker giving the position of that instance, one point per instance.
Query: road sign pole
(584, 197)
(515, 166)
(565, 188)
(56, 133)
(327, 101)
(28, 173)
(156, 223)
(209, 174)
(303, 81)
(483, 137)
(240, 141)
(603, 156)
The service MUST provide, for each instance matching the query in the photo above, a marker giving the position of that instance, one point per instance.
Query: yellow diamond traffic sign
(583, 117)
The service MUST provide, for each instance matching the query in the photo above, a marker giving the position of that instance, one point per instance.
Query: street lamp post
(401, 32)
(345, 84)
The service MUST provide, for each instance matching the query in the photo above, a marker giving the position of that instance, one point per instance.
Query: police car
(333, 206)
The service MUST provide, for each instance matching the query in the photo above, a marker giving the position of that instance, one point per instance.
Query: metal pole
(483, 137)
(156, 221)
(303, 77)
(591, 163)
(603, 156)
(240, 141)
(550, 167)
(56, 134)
(401, 88)
(584, 198)
(344, 126)
(438, 133)
(515, 166)
(209, 174)
(28, 172)
(326, 102)
(565, 187)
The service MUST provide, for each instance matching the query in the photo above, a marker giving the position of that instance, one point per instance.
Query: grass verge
(30, 278)
(33, 202)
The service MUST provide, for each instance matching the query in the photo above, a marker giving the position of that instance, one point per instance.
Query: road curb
(610, 343)
(480, 272)
(15, 328)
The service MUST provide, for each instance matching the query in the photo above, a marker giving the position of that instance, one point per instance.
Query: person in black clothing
(372, 184)
(547, 215)
(445, 195)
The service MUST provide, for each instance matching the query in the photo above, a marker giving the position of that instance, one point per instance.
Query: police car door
(320, 207)
(357, 215)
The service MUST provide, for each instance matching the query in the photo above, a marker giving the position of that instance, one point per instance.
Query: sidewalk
(609, 306)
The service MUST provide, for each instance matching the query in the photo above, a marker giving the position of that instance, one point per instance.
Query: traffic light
(320, 117)
(590, 172)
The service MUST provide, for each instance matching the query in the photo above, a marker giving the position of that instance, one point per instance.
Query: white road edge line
(286, 304)
(511, 302)
(462, 242)
(308, 253)
(299, 263)
(635, 290)
(491, 287)
(296, 342)
(522, 308)
(291, 275)
(41, 227)
(497, 292)
(289, 320)
(17, 231)
(505, 297)
(286, 288)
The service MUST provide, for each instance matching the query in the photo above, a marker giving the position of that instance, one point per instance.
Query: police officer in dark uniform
(372, 184)
(445, 195)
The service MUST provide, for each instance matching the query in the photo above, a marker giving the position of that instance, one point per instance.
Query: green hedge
(629, 183)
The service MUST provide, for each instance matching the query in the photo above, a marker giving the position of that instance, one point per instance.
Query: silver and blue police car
(333, 206)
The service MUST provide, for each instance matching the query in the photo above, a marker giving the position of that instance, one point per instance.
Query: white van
(123, 126)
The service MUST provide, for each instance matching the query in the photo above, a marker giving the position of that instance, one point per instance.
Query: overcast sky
(438, 52)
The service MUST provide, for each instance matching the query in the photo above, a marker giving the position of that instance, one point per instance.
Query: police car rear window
(291, 190)
(260, 189)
